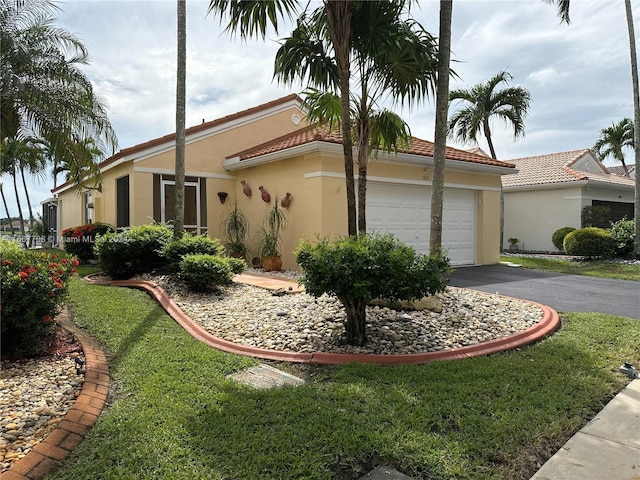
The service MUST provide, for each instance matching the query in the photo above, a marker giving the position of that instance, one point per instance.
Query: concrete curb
(48, 454)
(550, 322)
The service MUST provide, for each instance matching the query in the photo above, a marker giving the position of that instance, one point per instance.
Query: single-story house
(550, 191)
(270, 148)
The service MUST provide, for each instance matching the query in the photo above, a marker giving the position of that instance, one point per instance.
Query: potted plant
(41, 230)
(275, 222)
(513, 244)
(235, 227)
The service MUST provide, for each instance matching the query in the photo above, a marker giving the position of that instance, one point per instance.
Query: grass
(174, 414)
(592, 268)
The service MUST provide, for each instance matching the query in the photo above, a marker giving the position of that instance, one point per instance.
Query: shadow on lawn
(494, 417)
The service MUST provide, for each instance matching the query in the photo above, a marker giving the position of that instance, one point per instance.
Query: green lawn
(173, 414)
(593, 268)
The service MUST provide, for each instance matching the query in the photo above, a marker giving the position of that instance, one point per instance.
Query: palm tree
(636, 117)
(43, 93)
(613, 139)
(391, 56)
(178, 225)
(251, 18)
(482, 103)
(4, 203)
(440, 133)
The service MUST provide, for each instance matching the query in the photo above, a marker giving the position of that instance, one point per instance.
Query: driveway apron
(562, 292)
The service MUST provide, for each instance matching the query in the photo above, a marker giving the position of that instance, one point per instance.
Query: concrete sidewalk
(608, 447)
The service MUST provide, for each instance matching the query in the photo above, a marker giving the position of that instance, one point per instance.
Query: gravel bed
(301, 323)
(34, 396)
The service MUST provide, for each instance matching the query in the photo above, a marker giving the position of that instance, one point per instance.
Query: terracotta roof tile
(556, 168)
(619, 169)
(322, 133)
(191, 130)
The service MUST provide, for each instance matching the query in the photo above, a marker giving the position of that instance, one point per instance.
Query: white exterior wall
(532, 216)
(608, 195)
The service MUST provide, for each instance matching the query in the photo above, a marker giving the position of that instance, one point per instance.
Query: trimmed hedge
(203, 273)
(589, 242)
(558, 236)
(175, 250)
(136, 250)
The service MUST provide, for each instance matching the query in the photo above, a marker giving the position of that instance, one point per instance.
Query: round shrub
(558, 236)
(203, 273)
(237, 265)
(79, 241)
(175, 250)
(136, 250)
(359, 269)
(589, 242)
(624, 235)
(34, 286)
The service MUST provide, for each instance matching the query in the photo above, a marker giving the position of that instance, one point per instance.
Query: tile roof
(324, 134)
(619, 170)
(555, 168)
(191, 130)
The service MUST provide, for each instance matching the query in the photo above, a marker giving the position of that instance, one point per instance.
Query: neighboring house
(550, 191)
(269, 146)
(619, 170)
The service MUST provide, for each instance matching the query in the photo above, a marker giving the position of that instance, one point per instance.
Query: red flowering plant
(79, 241)
(33, 286)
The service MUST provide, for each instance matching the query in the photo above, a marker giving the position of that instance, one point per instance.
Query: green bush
(596, 216)
(79, 241)
(136, 250)
(203, 273)
(175, 250)
(359, 269)
(33, 286)
(624, 235)
(558, 236)
(589, 242)
(237, 265)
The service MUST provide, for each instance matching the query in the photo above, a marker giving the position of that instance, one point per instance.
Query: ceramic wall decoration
(223, 196)
(246, 188)
(265, 195)
(286, 201)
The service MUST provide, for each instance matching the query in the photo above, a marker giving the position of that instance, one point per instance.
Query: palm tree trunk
(6, 207)
(636, 117)
(364, 138)
(26, 192)
(440, 135)
(15, 189)
(339, 22)
(178, 225)
(487, 135)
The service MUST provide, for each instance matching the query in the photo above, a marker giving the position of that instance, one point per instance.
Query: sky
(578, 75)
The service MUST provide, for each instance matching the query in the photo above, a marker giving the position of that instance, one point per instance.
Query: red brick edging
(549, 323)
(48, 454)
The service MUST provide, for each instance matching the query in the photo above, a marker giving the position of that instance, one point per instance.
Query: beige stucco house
(270, 146)
(550, 191)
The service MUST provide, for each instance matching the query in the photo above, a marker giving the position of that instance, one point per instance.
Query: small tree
(359, 269)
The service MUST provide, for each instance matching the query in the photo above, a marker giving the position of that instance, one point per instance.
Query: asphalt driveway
(562, 292)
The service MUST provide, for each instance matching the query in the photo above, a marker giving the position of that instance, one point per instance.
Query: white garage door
(405, 211)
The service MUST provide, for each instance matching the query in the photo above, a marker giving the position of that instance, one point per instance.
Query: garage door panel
(405, 211)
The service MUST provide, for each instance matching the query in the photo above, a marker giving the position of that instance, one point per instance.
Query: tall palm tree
(43, 92)
(392, 56)
(252, 18)
(613, 140)
(482, 103)
(440, 129)
(636, 117)
(181, 100)
(4, 203)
